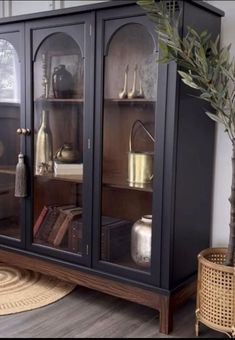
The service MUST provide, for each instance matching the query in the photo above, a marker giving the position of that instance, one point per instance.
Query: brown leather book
(70, 215)
(61, 217)
(48, 224)
(40, 220)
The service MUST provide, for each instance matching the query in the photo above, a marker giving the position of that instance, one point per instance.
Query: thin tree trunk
(231, 246)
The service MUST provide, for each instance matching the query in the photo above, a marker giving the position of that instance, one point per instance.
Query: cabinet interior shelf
(119, 183)
(62, 247)
(10, 227)
(7, 170)
(134, 101)
(65, 178)
(129, 263)
(59, 100)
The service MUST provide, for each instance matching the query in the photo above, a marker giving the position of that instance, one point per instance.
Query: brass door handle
(24, 132)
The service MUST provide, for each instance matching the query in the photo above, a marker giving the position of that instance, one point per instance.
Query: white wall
(18, 7)
(222, 173)
(24, 7)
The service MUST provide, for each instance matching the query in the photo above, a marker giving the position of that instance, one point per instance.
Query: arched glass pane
(58, 142)
(9, 141)
(128, 147)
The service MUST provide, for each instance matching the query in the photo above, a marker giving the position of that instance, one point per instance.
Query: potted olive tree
(210, 70)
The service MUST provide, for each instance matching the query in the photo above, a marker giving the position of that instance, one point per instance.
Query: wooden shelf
(129, 263)
(65, 178)
(134, 101)
(59, 100)
(115, 181)
(62, 247)
(10, 227)
(8, 170)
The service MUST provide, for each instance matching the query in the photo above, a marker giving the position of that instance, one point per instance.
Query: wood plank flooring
(88, 314)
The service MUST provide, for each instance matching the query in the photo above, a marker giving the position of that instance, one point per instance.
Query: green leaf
(191, 84)
(193, 32)
(203, 34)
(213, 48)
(185, 76)
(203, 65)
(214, 117)
(163, 46)
(205, 96)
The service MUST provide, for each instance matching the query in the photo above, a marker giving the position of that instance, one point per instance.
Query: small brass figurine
(43, 169)
(124, 93)
(134, 92)
(141, 92)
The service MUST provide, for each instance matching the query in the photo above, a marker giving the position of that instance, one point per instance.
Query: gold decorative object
(23, 131)
(124, 93)
(215, 292)
(141, 91)
(44, 153)
(45, 82)
(140, 164)
(67, 154)
(134, 92)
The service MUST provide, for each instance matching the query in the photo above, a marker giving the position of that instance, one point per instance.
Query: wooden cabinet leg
(166, 316)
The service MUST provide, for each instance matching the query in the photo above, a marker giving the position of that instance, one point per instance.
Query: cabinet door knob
(24, 132)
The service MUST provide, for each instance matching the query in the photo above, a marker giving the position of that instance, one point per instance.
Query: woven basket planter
(215, 292)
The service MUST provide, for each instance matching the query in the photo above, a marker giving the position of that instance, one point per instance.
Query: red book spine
(64, 226)
(39, 221)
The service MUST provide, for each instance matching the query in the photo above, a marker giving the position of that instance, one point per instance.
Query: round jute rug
(22, 290)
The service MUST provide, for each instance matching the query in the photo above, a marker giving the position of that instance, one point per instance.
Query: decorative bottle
(62, 82)
(141, 238)
(44, 149)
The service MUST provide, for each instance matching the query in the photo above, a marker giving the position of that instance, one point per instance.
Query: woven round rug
(23, 290)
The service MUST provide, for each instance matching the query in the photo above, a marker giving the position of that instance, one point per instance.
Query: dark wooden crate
(115, 239)
(75, 236)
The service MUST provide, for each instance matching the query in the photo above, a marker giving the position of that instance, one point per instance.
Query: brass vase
(44, 149)
(140, 164)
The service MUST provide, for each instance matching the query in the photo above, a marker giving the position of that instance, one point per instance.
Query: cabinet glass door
(10, 121)
(59, 160)
(128, 140)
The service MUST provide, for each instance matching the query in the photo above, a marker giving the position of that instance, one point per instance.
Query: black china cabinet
(118, 152)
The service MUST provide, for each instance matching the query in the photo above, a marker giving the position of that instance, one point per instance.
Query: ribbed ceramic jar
(141, 237)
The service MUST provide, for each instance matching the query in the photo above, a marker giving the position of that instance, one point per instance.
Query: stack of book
(72, 169)
(53, 223)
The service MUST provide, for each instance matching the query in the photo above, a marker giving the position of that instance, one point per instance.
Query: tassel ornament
(21, 178)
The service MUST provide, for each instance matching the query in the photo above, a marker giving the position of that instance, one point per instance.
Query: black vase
(62, 82)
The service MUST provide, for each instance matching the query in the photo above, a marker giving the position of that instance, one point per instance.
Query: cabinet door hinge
(89, 143)
(87, 249)
(90, 30)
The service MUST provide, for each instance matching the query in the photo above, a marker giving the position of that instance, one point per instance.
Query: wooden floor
(87, 314)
